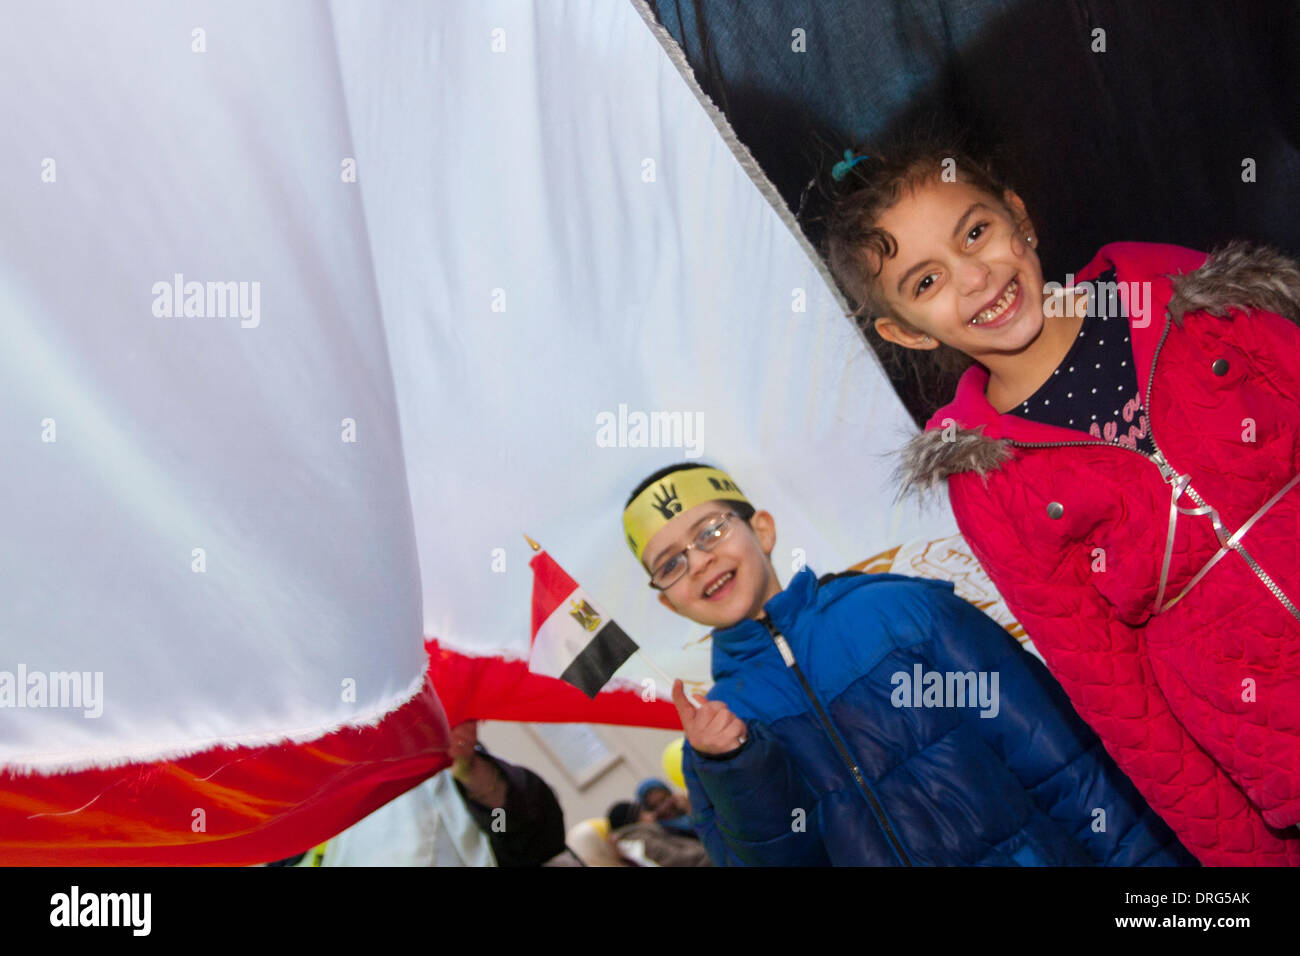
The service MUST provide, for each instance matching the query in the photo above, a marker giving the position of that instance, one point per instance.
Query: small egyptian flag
(572, 638)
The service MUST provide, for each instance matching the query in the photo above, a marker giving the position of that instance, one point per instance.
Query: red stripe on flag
(551, 585)
(267, 803)
(259, 803)
(492, 688)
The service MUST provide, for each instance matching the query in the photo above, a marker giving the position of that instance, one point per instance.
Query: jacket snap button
(1055, 510)
(1220, 367)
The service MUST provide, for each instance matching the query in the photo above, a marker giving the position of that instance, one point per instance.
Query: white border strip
(677, 56)
(72, 761)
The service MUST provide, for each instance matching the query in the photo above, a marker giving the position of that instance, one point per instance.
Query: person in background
(514, 806)
(643, 841)
(671, 810)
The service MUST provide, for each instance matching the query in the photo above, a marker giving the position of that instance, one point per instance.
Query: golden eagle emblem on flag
(584, 614)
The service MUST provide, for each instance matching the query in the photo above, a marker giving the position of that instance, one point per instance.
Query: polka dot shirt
(1095, 388)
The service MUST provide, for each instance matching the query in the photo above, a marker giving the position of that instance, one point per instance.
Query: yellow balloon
(672, 761)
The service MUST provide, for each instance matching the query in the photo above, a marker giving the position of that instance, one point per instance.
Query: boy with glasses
(869, 719)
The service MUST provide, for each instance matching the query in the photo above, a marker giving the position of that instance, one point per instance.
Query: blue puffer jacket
(845, 764)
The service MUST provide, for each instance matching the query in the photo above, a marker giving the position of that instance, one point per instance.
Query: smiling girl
(1123, 457)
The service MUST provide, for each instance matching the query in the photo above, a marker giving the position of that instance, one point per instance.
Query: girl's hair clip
(841, 169)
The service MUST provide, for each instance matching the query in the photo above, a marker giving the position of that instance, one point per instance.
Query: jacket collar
(970, 408)
(750, 637)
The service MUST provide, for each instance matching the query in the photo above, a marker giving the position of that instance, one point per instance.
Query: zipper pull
(782, 645)
(1167, 471)
(787, 655)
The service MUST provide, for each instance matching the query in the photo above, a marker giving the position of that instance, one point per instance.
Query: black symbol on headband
(723, 484)
(666, 501)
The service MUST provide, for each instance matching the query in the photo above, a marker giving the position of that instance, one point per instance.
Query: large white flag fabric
(206, 546)
(574, 268)
(311, 311)
(184, 511)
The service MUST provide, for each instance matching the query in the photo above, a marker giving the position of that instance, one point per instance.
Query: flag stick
(667, 680)
(640, 650)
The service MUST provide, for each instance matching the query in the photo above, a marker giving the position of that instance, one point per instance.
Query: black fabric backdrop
(1144, 141)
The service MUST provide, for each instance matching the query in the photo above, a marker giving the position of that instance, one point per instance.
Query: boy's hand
(713, 729)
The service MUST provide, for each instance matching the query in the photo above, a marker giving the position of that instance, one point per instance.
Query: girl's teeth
(721, 581)
(988, 315)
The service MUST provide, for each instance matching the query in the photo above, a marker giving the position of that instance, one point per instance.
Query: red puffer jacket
(1196, 693)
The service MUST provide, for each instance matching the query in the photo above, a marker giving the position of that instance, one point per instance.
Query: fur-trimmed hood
(1240, 275)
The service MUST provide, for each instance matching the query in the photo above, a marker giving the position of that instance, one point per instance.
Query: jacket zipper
(787, 655)
(1167, 472)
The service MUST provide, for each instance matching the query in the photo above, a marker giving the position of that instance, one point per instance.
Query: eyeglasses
(671, 571)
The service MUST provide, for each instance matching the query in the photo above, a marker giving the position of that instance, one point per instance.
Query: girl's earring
(1029, 238)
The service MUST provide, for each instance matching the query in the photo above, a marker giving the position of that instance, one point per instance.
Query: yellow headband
(670, 496)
